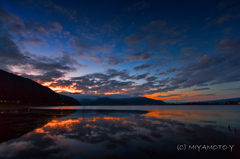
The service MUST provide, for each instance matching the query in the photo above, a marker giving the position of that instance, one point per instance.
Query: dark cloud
(186, 58)
(110, 73)
(155, 26)
(148, 45)
(228, 30)
(204, 63)
(153, 40)
(162, 73)
(62, 83)
(138, 56)
(50, 6)
(213, 94)
(226, 3)
(106, 82)
(200, 89)
(48, 68)
(225, 17)
(170, 70)
(190, 56)
(232, 89)
(210, 69)
(32, 31)
(229, 46)
(15, 32)
(201, 84)
(46, 76)
(137, 6)
(8, 49)
(8, 17)
(171, 95)
(152, 78)
(107, 60)
(42, 65)
(111, 60)
(90, 49)
(142, 67)
(207, 121)
(132, 39)
(142, 76)
(231, 14)
(10, 54)
(155, 35)
(187, 49)
(87, 45)
(160, 63)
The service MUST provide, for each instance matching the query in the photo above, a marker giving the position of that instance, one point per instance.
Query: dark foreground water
(121, 132)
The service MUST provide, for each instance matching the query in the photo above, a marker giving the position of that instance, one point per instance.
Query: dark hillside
(15, 89)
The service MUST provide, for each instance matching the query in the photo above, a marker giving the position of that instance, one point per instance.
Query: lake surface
(121, 132)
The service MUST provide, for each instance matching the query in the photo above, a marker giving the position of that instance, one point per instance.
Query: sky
(175, 51)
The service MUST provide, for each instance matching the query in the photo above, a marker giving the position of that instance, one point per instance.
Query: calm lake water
(121, 132)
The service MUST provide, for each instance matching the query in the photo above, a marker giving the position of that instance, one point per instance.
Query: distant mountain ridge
(142, 101)
(121, 101)
(18, 90)
(229, 101)
(223, 100)
(106, 101)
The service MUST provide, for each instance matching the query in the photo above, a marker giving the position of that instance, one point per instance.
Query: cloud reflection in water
(126, 134)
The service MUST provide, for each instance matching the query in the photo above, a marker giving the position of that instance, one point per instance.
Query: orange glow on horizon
(110, 93)
(170, 98)
(66, 89)
(182, 96)
(58, 89)
(167, 97)
(73, 89)
(112, 118)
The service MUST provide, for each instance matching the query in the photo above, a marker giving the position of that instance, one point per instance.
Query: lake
(120, 132)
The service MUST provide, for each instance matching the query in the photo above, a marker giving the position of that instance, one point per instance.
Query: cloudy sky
(168, 50)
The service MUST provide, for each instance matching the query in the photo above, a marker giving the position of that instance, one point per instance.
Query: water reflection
(127, 134)
(15, 122)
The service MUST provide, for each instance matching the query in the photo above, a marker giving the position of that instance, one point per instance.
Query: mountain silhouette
(122, 101)
(18, 90)
(107, 101)
(142, 101)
